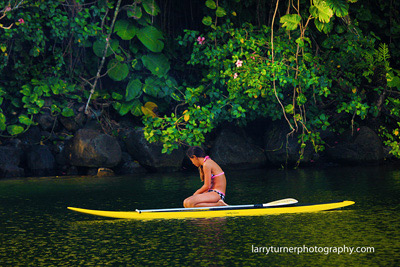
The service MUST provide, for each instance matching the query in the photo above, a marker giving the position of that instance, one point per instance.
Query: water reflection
(36, 229)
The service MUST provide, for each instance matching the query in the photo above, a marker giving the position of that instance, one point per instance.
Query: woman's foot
(222, 203)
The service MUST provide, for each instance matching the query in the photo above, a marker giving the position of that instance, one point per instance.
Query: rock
(40, 161)
(31, 137)
(129, 166)
(90, 148)
(47, 121)
(10, 158)
(282, 151)
(102, 172)
(364, 146)
(72, 171)
(93, 125)
(10, 171)
(10, 155)
(234, 150)
(72, 124)
(149, 154)
(92, 171)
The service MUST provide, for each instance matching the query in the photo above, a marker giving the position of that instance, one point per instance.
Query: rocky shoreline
(81, 147)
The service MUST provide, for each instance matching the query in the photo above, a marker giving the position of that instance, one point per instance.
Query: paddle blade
(281, 202)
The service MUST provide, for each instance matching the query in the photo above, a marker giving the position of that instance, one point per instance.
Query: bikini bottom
(222, 195)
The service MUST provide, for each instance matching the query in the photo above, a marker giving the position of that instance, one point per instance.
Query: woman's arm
(207, 181)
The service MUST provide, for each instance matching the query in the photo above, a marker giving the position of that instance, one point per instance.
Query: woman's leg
(209, 199)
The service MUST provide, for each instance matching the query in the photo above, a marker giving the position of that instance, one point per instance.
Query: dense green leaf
(24, 119)
(340, 7)
(15, 129)
(289, 109)
(99, 46)
(211, 4)
(125, 29)
(152, 87)
(207, 21)
(126, 107)
(2, 122)
(137, 108)
(151, 38)
(134, 12)
(323, 27)
(220, 12)
(67, 112)
(150, 7)
(117, 70)
(290, 21)
(117, 96)
(321, 11)
(133, 89)
(158, 64)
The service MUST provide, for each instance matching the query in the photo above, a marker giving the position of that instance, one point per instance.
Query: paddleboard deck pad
(226, 212)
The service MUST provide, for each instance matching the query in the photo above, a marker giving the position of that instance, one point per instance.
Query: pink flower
(8, 8)
(252, 57)
(107, 40)
(239, 63)
(200, 40)
(22, 21)
(358, 129)
(235, 76)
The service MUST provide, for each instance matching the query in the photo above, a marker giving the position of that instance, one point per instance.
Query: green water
(38, 230)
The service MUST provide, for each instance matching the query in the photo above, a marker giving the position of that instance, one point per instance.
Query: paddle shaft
(286, 201)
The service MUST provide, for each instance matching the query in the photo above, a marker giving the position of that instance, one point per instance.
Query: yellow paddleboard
(214, 213)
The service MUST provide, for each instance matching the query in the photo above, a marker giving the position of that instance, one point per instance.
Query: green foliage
(330, 90)
(151, 38)
(323, 74)
(391, 139)
(290, 21)
(55, 40)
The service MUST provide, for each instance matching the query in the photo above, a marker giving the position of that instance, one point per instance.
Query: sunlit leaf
(186, 117)
(340, 7)
(289, 109)
(207, 21)
(290, 21)
(2, 122)
(15, 129)
(220, 12)
(149, 108)
(321, 11)
(211, 4)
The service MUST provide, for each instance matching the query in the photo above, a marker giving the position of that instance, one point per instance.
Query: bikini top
(212, 175)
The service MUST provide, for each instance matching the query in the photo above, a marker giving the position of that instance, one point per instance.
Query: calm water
(37, 229)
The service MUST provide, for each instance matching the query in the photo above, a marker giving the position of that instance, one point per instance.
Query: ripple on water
(38, 230)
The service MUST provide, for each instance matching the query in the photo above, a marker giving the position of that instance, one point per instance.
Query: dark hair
(198, 152)
(195, 151)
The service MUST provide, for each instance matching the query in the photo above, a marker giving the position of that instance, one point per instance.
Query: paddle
(286, 201)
